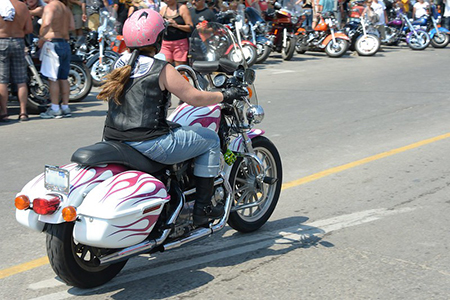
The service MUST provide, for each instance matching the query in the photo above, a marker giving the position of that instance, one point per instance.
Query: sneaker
(51, 114)
(66, 112)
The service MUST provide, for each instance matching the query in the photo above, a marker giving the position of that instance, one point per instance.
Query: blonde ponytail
(115, 83)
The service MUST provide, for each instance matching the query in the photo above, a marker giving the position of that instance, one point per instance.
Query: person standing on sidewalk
(13, 67)
(57, 21)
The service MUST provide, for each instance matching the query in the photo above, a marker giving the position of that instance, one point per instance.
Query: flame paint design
(151, 220)
(137, 181)
(236, 144)
(188, 116)
(83, 178)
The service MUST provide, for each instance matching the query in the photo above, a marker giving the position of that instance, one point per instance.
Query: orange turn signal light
(69, 214)
(22, 202)
(250, 92)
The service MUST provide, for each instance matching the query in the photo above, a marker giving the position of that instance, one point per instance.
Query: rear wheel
(75, 263)
(336, 49)
(255, 199)
(440, 40)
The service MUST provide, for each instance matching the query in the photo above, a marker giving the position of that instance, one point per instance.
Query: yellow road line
(44, 260)
(362, 162)
(23, 267)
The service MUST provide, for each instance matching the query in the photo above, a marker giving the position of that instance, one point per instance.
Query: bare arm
(186, 15)
(172, 81)
(37, 12)
(28, 26)
(47, 17)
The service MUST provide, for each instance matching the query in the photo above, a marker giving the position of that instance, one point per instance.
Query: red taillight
(46, 206)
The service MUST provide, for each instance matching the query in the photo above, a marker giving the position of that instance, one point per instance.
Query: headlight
(255, 114)
(294, 20)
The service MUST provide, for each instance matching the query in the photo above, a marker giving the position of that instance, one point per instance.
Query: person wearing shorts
(175, 44)
(57, 21)
(77, 17)
(13, 67)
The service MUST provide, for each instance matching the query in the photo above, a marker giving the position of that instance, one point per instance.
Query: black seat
(110, 152)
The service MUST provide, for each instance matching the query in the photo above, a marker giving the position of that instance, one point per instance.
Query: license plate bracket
(56, 179)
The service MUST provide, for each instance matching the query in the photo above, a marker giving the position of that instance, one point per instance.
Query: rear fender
(237, 145)
(121, 211)
(245, 42)
(337, 35)
(82, 181)
(187, 115)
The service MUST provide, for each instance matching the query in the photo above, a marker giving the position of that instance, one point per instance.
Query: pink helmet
(144, 28)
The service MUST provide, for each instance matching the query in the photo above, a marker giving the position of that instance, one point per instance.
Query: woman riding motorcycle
(138, 93)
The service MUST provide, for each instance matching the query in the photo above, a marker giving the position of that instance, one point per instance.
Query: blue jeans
(182, 144)
(62, 48)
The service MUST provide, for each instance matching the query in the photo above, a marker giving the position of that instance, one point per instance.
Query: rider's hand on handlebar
(234, 93)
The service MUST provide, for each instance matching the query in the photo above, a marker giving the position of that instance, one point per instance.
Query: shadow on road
(161, 278)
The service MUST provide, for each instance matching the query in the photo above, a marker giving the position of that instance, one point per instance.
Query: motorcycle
(235, 21)
(282, 25)
(401, 29)
(440, 36)
(256, 32)
(100, 49)
(112, 203)
(364, 38)
(80, 81)
(323, 37)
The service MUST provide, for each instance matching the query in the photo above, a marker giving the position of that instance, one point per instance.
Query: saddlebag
(121, 211)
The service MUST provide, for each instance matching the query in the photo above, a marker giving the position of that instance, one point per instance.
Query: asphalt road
(364, 209)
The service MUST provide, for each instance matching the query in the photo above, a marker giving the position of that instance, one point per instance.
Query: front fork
(34, 71)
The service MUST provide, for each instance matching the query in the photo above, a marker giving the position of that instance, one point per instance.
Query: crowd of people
(52, 20)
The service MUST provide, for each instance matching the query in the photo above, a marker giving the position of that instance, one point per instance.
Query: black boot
(203, 208)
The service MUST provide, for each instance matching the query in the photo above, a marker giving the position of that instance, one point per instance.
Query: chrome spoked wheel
(256, 187)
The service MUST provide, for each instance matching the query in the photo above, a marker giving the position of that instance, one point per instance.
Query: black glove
(233, 93)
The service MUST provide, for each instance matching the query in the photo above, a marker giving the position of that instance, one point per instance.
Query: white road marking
(280, 71)
(255, 242)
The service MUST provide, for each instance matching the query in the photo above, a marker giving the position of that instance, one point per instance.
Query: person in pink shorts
(175, 44)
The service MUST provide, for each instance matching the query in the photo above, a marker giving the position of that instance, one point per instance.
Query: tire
(421, 42)
(80, 81)
(367, 45)
(337, 50)
(250, 54)
(38, 97)
(288, 52)
(244, 189)
(69, 262)
(263, 52)
(98, 73)
(440, 40)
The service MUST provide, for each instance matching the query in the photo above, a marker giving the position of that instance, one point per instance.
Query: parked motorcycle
(363, 36)
(100, 49)
(401, 29)
(80, 81)
(113, 203)
(256, 33)
(235, 21)
(323, 37)
(440, 36)
(282, 25)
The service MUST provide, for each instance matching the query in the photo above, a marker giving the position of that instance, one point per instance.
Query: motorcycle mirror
(277, 5)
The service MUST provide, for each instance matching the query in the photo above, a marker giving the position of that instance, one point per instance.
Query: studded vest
(142, 114)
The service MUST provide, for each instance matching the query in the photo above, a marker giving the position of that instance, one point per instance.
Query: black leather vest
(142, 114)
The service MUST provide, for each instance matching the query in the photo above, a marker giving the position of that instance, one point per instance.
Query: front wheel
(418, 41)
(80, 81)
(367, 45)
(288, 52)
(99, 71)
(440, 40)
(263, 52)
(250, 54)
(336, 49)
(255, 193)
(75, 263)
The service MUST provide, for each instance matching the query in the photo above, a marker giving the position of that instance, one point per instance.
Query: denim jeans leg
(183, 144)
